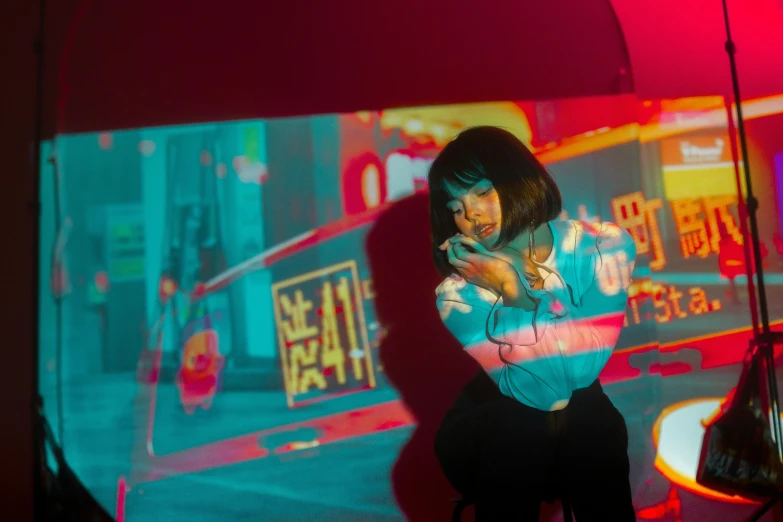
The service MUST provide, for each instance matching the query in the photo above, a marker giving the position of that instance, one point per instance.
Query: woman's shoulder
(587, 237)
(584, 247)
(453, 283)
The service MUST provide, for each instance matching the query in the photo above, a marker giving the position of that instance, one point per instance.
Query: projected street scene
(220, 335)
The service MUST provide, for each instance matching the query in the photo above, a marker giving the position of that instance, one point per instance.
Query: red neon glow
(777, 240)
(201, 364)
(334, 395)
(220, 170)
(102, 282)
(363, 184)
(731, 258)
(105, 140)
(671, 507)
(122, 490)
(332, 428)
(166, 288)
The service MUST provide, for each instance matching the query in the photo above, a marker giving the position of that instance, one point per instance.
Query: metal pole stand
(764, 341)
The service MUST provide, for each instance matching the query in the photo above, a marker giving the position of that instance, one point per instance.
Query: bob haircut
(528, 194)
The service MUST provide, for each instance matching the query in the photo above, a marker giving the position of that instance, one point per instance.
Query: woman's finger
(463, 254)
(450, 241)
(475, 245)
(456, 261)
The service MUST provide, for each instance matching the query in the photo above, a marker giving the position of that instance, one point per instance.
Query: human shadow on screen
(420, 357)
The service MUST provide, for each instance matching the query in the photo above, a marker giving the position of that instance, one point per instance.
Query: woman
(540, 303)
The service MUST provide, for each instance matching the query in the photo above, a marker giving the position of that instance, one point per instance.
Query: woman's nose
(472, 212)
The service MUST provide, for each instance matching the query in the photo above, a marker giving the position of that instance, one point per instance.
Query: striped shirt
(564, 343)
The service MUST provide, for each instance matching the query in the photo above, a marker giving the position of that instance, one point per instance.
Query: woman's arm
(605, 301)
(464, 309)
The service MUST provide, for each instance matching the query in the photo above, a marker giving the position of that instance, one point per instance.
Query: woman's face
(477, 212)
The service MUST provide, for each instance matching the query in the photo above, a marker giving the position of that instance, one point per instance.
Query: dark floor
(344, 481)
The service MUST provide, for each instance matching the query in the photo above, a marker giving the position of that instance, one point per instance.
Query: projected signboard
(322, 334)
(125, 242)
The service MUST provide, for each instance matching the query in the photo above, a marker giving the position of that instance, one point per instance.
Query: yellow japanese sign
(702, 223)
(638, 216)
(322, 333)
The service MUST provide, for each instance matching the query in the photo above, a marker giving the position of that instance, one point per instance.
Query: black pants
(509, 457)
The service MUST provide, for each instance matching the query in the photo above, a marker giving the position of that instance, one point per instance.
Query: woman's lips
(485, 231)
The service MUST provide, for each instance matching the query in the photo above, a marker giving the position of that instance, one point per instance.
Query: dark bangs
(529, 196)
(446, 172)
